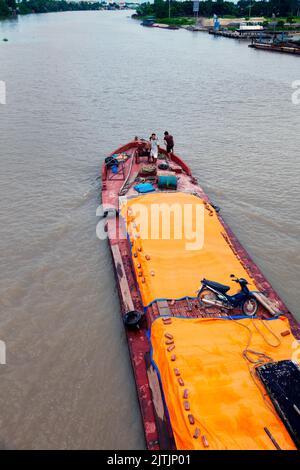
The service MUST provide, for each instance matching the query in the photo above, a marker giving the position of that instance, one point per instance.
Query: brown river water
(77, 85)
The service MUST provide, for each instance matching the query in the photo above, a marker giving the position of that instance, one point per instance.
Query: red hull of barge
(157, 429)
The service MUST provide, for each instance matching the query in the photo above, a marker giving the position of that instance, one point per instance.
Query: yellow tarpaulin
(224, 401)
(176, 241)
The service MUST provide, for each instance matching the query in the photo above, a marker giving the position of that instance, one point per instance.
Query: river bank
(230, 25)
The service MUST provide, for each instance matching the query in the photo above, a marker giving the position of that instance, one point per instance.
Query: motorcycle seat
(216, 285)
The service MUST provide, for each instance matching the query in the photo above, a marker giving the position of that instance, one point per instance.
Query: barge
(247, 35)
(286, 49)
(196, 365)
(149, 22)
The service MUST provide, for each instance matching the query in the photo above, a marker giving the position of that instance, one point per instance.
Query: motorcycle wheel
(250, 307)
(206, 294)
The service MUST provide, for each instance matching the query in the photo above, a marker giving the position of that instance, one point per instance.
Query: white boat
(250, 26)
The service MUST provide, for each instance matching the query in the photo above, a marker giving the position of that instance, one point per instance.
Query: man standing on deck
(169, 141)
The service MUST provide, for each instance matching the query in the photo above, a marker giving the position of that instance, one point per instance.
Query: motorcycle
(214, 294)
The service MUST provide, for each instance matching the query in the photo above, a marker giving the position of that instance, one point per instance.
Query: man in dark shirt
(169, 141)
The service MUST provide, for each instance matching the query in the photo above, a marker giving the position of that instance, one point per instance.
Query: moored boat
(148, 21)
(196, 353)
(272, 47)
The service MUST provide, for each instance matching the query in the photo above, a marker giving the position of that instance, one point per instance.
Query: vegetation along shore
(285, 13)
(12, 8)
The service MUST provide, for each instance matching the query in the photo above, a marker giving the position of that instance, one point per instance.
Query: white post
(2, 352)
(2, 92)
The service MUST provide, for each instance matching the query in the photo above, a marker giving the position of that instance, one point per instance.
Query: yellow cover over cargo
(224, 400)
(172, 253)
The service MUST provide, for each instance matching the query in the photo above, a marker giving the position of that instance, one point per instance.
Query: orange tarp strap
(226, 405)
(172, 268)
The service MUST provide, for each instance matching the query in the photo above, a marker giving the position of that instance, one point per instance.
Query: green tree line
(8, 7)
(160, 8)
(281, 8)
(45, 6)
